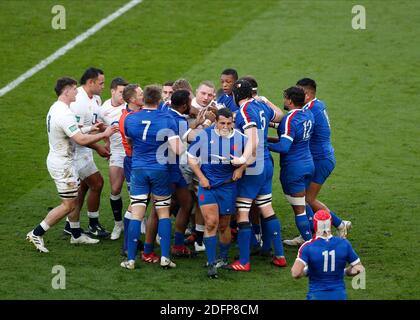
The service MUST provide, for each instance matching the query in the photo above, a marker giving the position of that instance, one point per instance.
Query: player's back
(148, 131)
(266, 116)
(326, 260)
(320, 144)
(297, 125)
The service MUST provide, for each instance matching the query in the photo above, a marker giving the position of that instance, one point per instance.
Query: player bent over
(213, 147)
(62, 128)
(323, 259)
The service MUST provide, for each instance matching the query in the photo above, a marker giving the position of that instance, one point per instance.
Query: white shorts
(189, 177)
(85, 166)
(117, 160)
(66, 180)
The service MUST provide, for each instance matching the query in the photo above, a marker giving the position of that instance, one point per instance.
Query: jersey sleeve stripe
(288, 122)
(287, 137)
(249, 125)
(355, 262)
(184, 137)
(191, 156)
(245, 114)
(173, 137)
(303, 261)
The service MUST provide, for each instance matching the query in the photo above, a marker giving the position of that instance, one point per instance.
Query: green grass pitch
(368, 78)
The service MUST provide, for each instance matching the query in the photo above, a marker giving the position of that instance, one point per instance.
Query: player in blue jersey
(252, 119)
(212, 148)
(323, 155)
(150, 132)
(254, 214)
(227, 79)
(179, 109)
(323, 259)
(297, 166)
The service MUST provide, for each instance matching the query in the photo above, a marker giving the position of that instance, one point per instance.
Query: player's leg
(95, 182)
(323, 169)
(151, 231)
(161, 196)
(183, 196)
(225, 238)
(210, 211)
(74, 216)
(254, 217)
(139, 194)
(116, 179)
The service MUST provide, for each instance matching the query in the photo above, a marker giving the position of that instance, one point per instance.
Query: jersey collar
(180, 114)
(249, 100)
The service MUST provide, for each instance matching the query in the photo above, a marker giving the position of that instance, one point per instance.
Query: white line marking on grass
(63, 50)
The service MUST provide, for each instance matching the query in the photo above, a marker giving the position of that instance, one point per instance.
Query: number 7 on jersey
(147, 123)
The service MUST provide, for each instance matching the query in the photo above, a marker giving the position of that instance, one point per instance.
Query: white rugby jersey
(110, 115)
(61, 126)
(86, 111)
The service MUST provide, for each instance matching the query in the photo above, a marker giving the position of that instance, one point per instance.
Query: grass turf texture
(368, 79)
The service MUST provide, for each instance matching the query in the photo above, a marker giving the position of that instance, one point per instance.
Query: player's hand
(209, 115)
(204, 183)
(237, 161)
(355, 270)
(238, 173)
(193, 112)
(98, 127)
(109, 131)
(102, 151)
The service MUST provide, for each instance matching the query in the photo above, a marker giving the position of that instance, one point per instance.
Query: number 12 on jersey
(147, 123)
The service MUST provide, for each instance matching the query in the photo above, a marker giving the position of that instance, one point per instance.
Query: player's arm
(356, 266)
(250, 152)
(88, 139)
(298, 269)
(176, 145)
(193, 162)
(355, 269)
(278, 113)
(286, 135)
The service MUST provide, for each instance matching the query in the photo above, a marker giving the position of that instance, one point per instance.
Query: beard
(225, 132)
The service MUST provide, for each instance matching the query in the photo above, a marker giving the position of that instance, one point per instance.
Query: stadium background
(368, 78)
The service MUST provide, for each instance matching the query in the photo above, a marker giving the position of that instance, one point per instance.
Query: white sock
(44, 225)
(94, 214)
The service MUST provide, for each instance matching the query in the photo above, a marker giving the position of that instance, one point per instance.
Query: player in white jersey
(86, 108)
(62, 129)
(110, 113)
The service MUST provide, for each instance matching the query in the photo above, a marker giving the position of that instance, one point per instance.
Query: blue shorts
(127, 171)
(296, 177)
(146, 181)
(251, 186)
(224, 196)
(323, 169)
(339, 294)
(176, 179)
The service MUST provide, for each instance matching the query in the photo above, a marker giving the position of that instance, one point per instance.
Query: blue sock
(224, 250)
(310, 216)
(133, 238)
(335, 219)
(148, 248)
(164, 231)
(266, 237)
(244, 235)
(274, 230)
(210, 244)
(179, 239)
(126, 224)
(302, 224)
